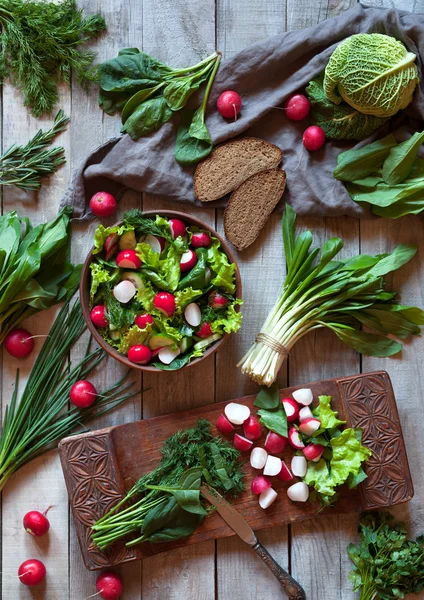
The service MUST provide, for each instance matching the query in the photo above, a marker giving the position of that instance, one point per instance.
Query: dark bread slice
(250, 205)
(232, 163)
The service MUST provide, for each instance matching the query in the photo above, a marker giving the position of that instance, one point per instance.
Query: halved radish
(188, 260)
(237, 413)
(258, 458)
(314, 452)
(298, 492)
(217, 301)
(128, 259)
(303, 396)
(299, 466)
(124, 291)
(165, 302)
(205, 330)
(201, 239)
(260, 484)
(252, 429)
(111, 245)
(272, 466)
(192, 314)
(177, 228)
(224, 426)
(274, 443)
(291, 408)
(241, 443)
(284, 474)
(166, 354)
(294, 439)
(267, 497)
(157, 244)
(310, 426)
(305, 413)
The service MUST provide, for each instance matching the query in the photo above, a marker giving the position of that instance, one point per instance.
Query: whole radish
(36, 523)
(139, 354)
(98, 316)
(19, 343)
(229, 104)
(143, 320)
(31, 572)
(83, 393)
(109, 585)
(205, 330)
(103, 204)
(297, 107)
(313, 138)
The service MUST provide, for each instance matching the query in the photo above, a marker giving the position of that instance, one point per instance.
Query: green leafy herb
(274, 420)
(359, 163)
(149, 116)
(40, 48)
(399, 163)
(268, 398)
(188, 149)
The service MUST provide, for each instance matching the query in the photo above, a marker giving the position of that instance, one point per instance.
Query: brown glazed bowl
(85, 293)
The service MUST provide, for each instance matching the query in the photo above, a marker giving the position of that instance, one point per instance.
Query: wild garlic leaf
(369, 344)
(268, 397)
(359, 163)
(399, 163)
(399, 256)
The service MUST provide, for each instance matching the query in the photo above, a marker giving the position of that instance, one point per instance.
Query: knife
(234, 519)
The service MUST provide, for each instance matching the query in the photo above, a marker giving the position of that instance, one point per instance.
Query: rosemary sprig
(24, 166)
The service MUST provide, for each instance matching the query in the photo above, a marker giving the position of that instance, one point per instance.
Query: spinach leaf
(160, 515)
(183, 525)
(187, 493)
(190, 150)
(196, 278)
(131, 71)
(178, 91)
(398, 164)
(135, 100)
(198, 127)
(274, 420)
(147, 117)
(359, 163)
(268, 398)
(176, 364)
(113, 102)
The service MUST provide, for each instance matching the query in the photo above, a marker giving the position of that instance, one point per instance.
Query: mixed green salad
(161, 291)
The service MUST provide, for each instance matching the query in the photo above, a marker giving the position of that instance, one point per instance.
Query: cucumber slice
(114, 334)
(207, 341)
(127, 241)
(159, 340)
(134, 278)
(185, 344)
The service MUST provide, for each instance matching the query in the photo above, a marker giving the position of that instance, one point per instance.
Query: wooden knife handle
(290, 585)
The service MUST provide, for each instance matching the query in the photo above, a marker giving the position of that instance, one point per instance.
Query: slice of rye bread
(232, 163)
(250, 205)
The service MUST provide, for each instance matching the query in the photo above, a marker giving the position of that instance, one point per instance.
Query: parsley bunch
(387, 564)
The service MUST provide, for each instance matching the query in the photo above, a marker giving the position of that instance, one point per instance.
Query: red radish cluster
(103, 204)
(229, 104)
(19, 343)
(83, 393)
(36, 523)
(98, 316)
(297, 108)
(109, 586)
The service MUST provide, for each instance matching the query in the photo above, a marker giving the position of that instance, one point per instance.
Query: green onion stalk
(341, 295)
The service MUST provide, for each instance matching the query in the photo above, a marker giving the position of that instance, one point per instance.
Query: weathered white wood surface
(181, 32)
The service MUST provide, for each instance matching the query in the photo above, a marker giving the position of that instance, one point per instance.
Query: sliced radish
(217, 301)
(274, 443)
(260, 484)
(178, 228)
(258, 458)
(305, 413)
(166, 354)
(241, 443)
(314, 452)
(299, 466)
(291, 408)
(303, 396)
(156, 244)
(237, 413)
(267, 497)
(224, 426)
(298, 492)
(192, 314)
(128, 259)
(124, 291)
(284, 474)
(252, 429)
(310, 426)
(272, 466)
(205, 330)
(294, 439)
(188, 260)
(201, 239)
(165, 302)
(111, 245)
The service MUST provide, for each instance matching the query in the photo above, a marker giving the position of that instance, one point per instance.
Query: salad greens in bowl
(160, 290)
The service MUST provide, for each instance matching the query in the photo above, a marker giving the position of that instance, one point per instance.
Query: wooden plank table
(181, 33)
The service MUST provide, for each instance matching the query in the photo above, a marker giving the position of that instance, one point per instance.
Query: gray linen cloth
(264, 74)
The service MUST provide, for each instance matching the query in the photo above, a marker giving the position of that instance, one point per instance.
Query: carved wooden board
(100, 466)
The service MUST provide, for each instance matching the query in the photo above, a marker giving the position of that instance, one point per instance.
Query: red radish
(217, 300)
(313, 452)
(109, 586)
(156, 243)
(128, 259)
(188, 261)
(241, 443)
(229, 104)
(36, 523)
(258, 458)
(98, 316)
(205, 330)
(111, 245)
(275, 443)
(297, 107)
(305, 413)
(155, 352)
(103, 204)
(165, 302)
(295, 439)
(303, 396)
(291, 408)
(167, 354)
(19, 343)
(267, 497)
(83, 393)
(299, 466)
(272, 466)
(124, 291)
(201, 239)
(298, 492)
(252, 429)
(178, 228)
(224, 426)
(143, 320)
(139, 354)
(192, 314)
(310, 426)
(31, 572)
(237, 413)
(313, 138)
(284, 474)
(260, 484)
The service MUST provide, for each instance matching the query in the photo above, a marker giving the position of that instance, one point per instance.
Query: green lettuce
(224, 277)
(318, 477)
(163, 325)
(134, 336)
(99, 275)
(184, 297)
(326, 414)
(348, 455)
(102, 233)
(148, 256)
(161, 269)
(145, 293)
(230, 321)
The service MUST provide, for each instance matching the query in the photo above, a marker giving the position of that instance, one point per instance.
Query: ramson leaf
(398, 165)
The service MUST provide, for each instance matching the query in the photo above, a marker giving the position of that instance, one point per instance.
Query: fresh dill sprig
(146, 225)
(40, 48)
(24, 166)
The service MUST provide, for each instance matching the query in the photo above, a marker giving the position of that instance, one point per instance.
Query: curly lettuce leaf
(148, 256)
(134, 336)
(348, 455)
(230, 321)
(102, 233)
(326, 414)
(99, 275)
(318, 477)
(184, 297)
(164, 326)
(145, 293)
(224, 271)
